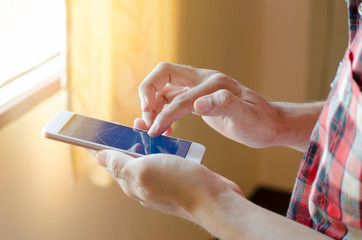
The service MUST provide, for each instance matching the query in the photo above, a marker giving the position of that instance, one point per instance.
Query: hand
(167, 183)
(175, 186)
(171, 91)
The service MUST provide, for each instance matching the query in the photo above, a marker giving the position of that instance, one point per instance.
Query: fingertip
(140, 124)
(153, 131)
(156, 130)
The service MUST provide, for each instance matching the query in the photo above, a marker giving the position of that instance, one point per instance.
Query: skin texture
(175, 186)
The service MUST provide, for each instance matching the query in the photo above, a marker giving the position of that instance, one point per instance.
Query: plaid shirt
(327, 195)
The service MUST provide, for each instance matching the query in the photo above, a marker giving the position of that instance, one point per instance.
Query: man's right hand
(172, 91)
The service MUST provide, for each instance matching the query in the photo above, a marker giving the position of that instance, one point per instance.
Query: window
(32, 43)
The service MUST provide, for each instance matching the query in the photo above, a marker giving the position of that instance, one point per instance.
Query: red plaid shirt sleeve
(327, 195)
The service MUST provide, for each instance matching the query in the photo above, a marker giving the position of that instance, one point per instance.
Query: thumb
(216, 104)
(113, 161)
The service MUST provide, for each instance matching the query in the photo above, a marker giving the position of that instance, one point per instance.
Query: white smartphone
(97, 134)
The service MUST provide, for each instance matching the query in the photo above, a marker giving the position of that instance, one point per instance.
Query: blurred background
(89, 56)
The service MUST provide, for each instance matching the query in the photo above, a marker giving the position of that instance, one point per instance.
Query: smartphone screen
(122, 137)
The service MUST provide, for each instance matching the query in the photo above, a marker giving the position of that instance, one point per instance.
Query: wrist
(295, 124)
(216, 214)
(229, 216)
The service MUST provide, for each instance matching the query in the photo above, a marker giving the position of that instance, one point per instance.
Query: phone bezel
(51, 131)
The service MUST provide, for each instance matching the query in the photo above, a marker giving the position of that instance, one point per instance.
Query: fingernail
(203, 104)
(101, 158)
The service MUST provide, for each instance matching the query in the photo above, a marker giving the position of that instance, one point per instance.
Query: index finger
(164, 73)
(183, 103)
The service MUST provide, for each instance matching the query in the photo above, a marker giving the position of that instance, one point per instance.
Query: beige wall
(39, 199)
(284, 69)
(298, 64)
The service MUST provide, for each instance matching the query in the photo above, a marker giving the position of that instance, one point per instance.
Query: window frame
(45, 79)
(33, 96)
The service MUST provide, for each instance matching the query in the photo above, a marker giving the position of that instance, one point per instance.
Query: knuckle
(126, 188)
(179, 102)
(220, 78)
(114, 168)
(139, 190)
(223, 97)
(223, 81)
(141, 87)
(180, 99)
(163, 66)
(144, 87)
(131, 190)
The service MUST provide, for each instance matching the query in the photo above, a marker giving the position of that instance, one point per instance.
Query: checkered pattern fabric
(327, 195)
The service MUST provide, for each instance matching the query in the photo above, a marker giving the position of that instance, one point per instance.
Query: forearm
(297, 121)
(229, 216)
